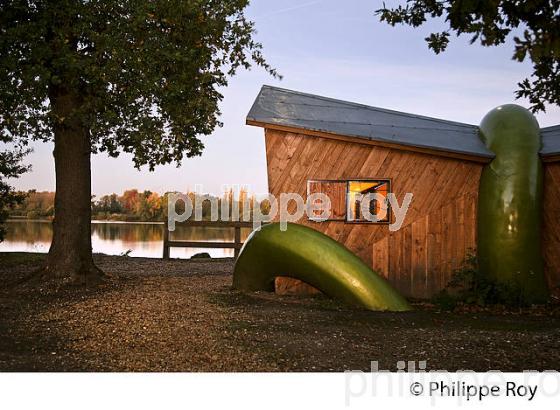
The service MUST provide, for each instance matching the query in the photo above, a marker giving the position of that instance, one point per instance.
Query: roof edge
(468, 156)
(365, 106)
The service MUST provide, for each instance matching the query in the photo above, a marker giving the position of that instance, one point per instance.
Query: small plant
(468, 285)
(444, 300)
(126, 253)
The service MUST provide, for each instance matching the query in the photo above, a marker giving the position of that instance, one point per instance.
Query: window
(367, 200)
(354, 201)
(336, 191)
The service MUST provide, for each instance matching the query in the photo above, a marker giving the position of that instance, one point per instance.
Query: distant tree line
(134, 205)
(36, 205)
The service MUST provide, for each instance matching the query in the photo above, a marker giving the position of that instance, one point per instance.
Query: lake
(116, 238)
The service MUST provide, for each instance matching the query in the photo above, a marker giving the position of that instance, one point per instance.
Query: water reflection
(115, 238)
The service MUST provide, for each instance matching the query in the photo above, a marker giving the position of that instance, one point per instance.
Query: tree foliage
(535, 26)
(10, 167)
(144, 75)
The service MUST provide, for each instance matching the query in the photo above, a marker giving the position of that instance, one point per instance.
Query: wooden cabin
(318, 144)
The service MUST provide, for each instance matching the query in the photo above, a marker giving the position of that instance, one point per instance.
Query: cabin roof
(550, 141)
(284, 109)
(281, 107)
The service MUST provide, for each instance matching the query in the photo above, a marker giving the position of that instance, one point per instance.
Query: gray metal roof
(277, 106)
(550, 140)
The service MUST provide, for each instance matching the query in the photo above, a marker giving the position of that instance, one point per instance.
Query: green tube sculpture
(303, 253)
(510, 205)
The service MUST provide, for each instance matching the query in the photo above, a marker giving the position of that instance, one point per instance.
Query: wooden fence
(235, 245)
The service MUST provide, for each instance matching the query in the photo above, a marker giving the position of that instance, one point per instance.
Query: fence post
(165, 240)
(237, 241)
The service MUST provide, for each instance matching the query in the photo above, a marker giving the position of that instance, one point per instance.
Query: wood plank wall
(438, 230)
(551, 225)
(336, 191)
(440, 227)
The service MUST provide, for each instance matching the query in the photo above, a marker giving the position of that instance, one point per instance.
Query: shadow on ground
(179, 315)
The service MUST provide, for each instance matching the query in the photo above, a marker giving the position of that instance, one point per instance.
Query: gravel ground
(178, 315)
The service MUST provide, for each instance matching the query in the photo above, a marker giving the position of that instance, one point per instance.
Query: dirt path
(159, 315)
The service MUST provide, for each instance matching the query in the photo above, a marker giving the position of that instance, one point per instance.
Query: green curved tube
(308, 255)
(510, 204)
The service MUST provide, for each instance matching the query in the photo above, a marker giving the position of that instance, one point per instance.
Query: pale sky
(332, 48)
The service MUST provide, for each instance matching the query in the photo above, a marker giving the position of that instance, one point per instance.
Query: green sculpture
(510, 205)
(308, 255)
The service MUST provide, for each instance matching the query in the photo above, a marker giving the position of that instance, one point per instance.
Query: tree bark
(70, 255)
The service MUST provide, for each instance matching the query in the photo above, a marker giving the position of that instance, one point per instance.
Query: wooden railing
(235, 245)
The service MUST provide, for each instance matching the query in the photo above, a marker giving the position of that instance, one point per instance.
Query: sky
(332, 48)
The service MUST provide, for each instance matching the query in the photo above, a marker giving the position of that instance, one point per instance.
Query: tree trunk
(70, 256)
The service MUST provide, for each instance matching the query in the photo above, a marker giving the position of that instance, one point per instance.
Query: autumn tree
(109, 204)
(534, 26)
(139, 76)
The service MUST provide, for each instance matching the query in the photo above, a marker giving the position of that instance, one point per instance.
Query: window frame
(389, 214)
(347, 182)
